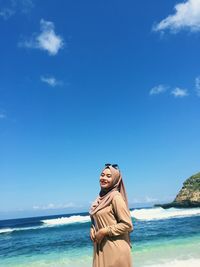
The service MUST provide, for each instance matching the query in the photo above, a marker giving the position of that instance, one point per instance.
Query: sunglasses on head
(113, 165)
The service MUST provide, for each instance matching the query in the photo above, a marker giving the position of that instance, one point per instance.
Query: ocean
(161, 238)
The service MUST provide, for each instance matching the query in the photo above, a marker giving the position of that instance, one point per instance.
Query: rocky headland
(188, 196)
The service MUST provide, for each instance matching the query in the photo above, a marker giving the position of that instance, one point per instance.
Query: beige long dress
(114, 250)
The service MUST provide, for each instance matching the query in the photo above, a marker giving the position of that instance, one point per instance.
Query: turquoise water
(160, 238)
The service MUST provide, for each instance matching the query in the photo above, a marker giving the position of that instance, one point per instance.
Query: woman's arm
(123, 217)
(92, 230)
(92, 233)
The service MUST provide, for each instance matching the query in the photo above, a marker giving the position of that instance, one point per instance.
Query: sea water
(161, 238)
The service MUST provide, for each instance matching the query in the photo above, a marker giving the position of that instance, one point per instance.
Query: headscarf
(106, 195)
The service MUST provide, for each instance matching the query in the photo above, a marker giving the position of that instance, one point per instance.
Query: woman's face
(106, 178)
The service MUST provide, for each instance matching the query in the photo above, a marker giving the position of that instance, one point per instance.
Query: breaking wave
(144, 214)
(160, 213)
(67, 220)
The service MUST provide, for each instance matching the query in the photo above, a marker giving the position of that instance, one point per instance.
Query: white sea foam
(139, 214)
(160, 213)
(5, 230)
(177, 263)
(86, 261)
(50, 223)
(10, 230)
(67, 220)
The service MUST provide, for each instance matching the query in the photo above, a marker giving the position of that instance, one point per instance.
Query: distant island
(188, 196)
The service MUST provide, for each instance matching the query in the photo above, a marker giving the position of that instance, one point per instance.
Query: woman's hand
(100, 235)
(92, 234)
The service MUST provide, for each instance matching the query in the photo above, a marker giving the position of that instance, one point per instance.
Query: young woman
(111, 222)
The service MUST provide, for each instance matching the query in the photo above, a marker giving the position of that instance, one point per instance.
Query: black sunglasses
(113, 165)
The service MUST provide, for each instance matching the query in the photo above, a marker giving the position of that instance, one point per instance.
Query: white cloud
(187, 16)
(46, 40)
(158, 89)
(55, 206)
(15, 6)
(150, 199)
(197, 85)
(51, 81)
(145, 199)
(178, 92)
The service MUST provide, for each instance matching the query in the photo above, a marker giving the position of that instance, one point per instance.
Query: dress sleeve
(123, 217)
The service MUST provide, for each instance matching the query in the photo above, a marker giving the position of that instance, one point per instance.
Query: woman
(111, 222)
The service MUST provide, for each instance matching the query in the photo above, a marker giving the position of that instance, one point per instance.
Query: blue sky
(84, 83)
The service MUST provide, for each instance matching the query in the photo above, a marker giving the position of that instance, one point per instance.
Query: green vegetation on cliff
(192, 183)
(188, 196)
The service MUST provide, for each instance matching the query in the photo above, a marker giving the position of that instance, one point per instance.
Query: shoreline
(182, 205)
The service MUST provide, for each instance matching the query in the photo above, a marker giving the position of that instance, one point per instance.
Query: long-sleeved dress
(114, 250)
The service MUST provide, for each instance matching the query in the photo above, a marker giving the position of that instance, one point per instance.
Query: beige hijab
(106, 195)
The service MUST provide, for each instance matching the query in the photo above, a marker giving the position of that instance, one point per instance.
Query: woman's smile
(103, 183)
(106, 179)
